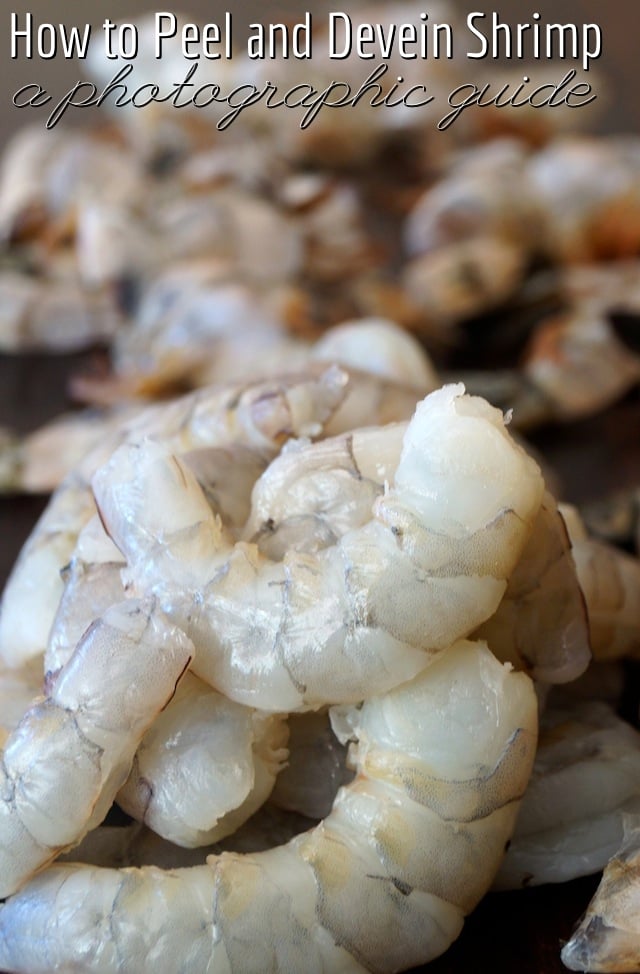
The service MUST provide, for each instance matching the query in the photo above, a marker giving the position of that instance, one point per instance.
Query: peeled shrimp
(204, 767)
(541, 623)
(18, 689)
(610, 581)
(579, 365)
(70, 753)
(380, 598)
(261, 415)
(382, 884)
(55, 315)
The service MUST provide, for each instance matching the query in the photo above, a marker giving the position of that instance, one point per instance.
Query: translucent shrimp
(610, 581)
(206, 764)
(383, 884)
(35, 585)
(579, 365)
(204, 767)
(606, 940)
(586, 776)
(53, 314)
(398, 369)
(18, 689)
(92, 583)
(93, 578)
(38, 462)
(261, 415)
(45, 174)
(426, 563)
(70, 753)
(589, 189)
(541, 624)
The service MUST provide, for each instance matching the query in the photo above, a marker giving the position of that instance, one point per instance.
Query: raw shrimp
(541, 623)
(35, 585)
(18, 688)
(610, 581)
(38, 462)
(45, 174)
(204, 767)
(383, 884)
(586, 776)
(197, 324)
(606, 939)
(589, 190)
(92, 579)
(54, 315)
(207, 763)
(92, 583)
(69, 755)
(579, 365)
(261, 415)
(424, 563)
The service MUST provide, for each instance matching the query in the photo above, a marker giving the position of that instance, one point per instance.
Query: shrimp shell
(606, 939)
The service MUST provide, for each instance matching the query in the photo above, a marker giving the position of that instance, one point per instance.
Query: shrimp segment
(260, 415)
(541, 623)
(357, 616)
(204, 767)
(585, 778)
(70, 753)
(292, 908)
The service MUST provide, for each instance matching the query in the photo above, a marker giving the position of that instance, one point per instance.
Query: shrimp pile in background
(307, 651)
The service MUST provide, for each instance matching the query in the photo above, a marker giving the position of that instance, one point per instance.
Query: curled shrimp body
(424, 564)
(441, 764)
(71, 752)
(610, 581)
(261, 415)
(204, 767)
(585, 778)
(541, 624)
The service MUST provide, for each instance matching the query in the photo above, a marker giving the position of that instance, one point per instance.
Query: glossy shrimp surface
(372, 888)
(387, 582)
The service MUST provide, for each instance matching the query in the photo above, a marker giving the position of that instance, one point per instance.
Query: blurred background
(619, 107)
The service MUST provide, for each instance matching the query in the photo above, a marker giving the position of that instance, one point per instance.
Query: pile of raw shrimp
(304, 656)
